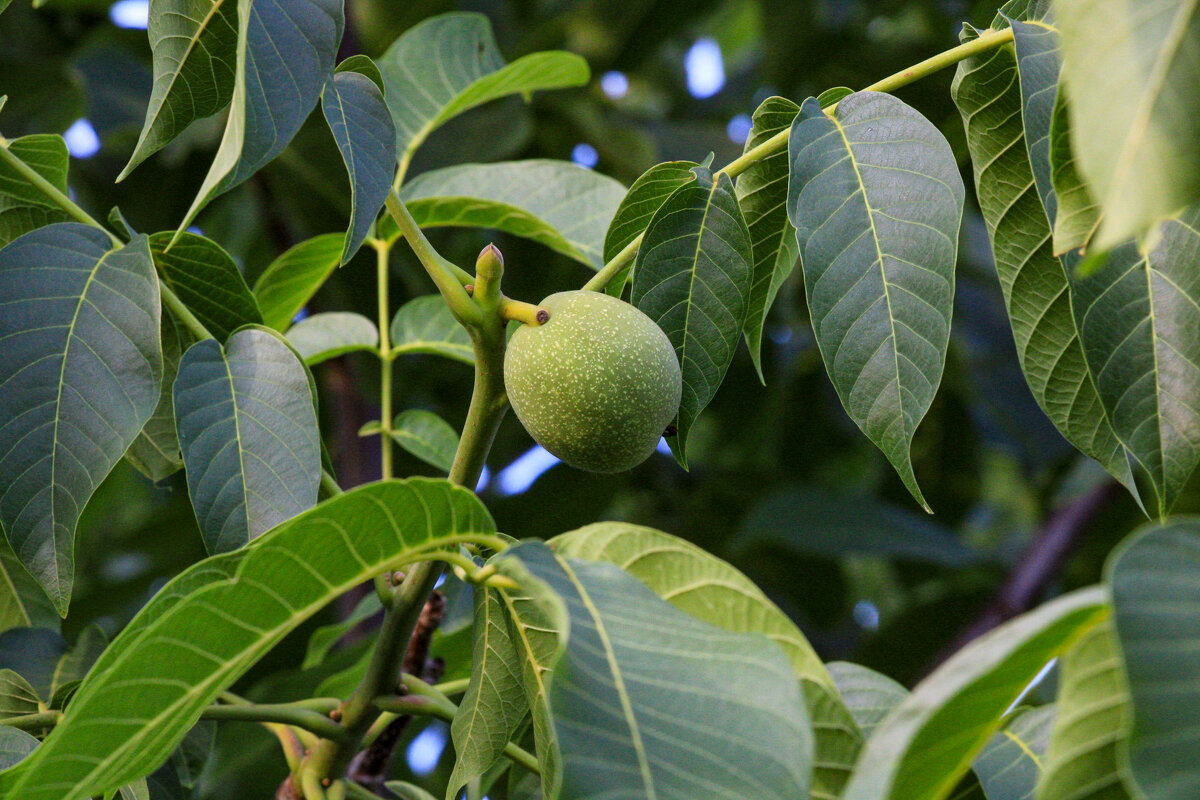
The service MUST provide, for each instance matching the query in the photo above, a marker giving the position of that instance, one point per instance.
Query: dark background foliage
(782, 484)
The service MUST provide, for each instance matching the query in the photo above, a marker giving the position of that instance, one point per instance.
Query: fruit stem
(525, 313)
(987, 40)
(443, 273)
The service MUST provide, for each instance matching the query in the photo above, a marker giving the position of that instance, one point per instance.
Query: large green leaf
(987, 90)
(713, 591)
(210, 624)
(22, 601)
(876, 199)
(207, 280)
(494, 706)
(808, 521)
(625, 731)
(556, 203)
(450, 63)
(248, 430)
(869, 695)
(194, 44)
(1139, 320)
(425, 325)
(83, 364)
(23, 207)
(1009, 766)
(362, 127)
(762, 192)
(1092, 725)
(292, 279)
(284, 56)
(1132, 69)
(330, 334)
(692, 277)
(644, 198)
(1155, 580)
(924, 747)
(155, 452)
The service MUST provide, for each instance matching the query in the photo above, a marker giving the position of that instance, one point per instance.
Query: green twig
(382, 253)
(51, 191)
(297, 715)
(34, 722)
(987, 40)
(441, 271)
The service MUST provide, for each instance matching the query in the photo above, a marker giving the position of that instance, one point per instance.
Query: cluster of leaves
(153, 349)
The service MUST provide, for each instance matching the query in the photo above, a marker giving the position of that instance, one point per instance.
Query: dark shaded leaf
(207, 280)
(23, 207)
(637, 208)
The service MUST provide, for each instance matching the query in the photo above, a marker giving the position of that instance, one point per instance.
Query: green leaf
(562, 205)
(538, 627)
(75, 663)
(362, 127)
(692, 277)
(450, 63)
(427, 436)
(81, 349)
(207, 280)
(1136, 125)
(23, 207)
(1155, 580)
(625, 731)
(206, 627)
(987, 90)
(292, 279)
(762, 193)
(922, 749)
(324, 638)
(284, 56)
(425, 325)
(155, 452)
(869, 695)
(637, 208)
(1010, 764)
(493, 707)
(1140, 324)
(22, 601)
(330, 334)
(15, 746)
(1091, 728)
(712, 590)
(1078, 214)
(363, 65)
(17, 697)
(808, 521)
(878, 265)
(194, 45)
(248, 431)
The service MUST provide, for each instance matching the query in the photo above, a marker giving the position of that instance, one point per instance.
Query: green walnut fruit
(597, 384)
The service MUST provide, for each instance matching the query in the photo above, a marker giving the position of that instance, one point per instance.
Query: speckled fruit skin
(596, 385)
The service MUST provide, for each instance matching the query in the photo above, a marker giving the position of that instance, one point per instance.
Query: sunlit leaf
(211, 623)
(248, 431)
(450, 63)
(762, 193)
(622, 730)
(207, 280)
(1155, 580)
(292, 279)
(330, 334)
(923, 748)
(1132, 71)
(362, 127)
(987, 90)
(713, 591)
(1091, 728)
(556, 203)
(284, 56)
(23, 207)
(80, 329)
(878, 268)
(425, 325)
(692, 277)
(637, 208)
